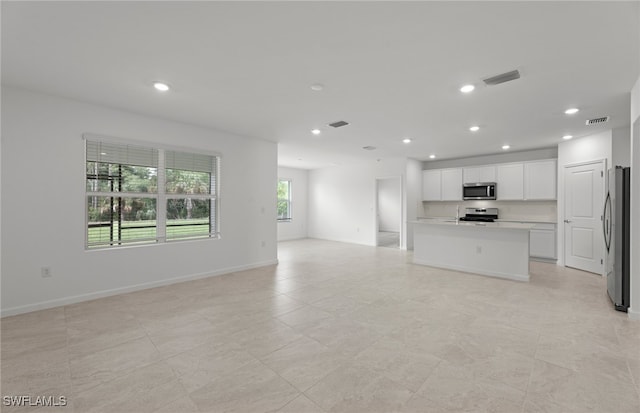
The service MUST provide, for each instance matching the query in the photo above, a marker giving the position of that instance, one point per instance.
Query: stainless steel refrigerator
(617, 229)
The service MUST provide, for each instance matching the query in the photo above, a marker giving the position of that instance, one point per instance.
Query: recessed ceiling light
(432, 157)
(567, 137)
(467, 88)
(315, 131)
(571, 111)
(103, 153)
(474, 128)
(406, 140)
(505, 147)
(317, 87)
(162, 87)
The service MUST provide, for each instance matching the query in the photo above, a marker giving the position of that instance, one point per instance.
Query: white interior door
(583, 200)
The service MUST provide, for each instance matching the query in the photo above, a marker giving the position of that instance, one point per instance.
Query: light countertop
(514, 220)
(472, 224)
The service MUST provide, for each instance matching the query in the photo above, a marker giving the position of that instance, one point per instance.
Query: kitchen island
(497, 249)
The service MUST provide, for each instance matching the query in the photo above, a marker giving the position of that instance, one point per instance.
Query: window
(284, 200)
(138, 195)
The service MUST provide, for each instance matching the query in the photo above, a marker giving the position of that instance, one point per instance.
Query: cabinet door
(542, 243)
(475, 174)
(452, 184)
(431, 185)
(487, 174)
(540, 179)
(510, 182)
(471, 175)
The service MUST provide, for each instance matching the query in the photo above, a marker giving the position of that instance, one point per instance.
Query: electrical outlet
(45, 272)
(478, 249)
(262, 243)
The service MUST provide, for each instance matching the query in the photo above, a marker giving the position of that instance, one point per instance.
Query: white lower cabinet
(542, 241)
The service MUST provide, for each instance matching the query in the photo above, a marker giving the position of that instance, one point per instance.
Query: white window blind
(138, 194)
(121, 154)
(190, 161)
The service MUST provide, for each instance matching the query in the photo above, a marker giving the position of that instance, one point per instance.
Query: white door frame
(403, 243)
(561, 211)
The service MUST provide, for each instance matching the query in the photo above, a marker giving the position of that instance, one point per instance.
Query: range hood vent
(338, 124)
(502, 78)
(596, 121)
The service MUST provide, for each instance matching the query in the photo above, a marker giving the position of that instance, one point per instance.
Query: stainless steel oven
(479, 190)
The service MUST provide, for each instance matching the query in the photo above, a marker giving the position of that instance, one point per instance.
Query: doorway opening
(389, 212)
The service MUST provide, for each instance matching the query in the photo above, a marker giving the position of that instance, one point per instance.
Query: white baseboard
(291, 238)
(345, 240)
(43, 305)
(633, 315)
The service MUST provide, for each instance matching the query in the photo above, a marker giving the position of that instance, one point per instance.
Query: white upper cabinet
(442, 184)
(510, 182)
(517, 181)
(540, 180)
(475, 174)
(452, 184)
(432, 185)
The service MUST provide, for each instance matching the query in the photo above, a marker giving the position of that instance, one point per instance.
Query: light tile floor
(334, 328)
(389, 239)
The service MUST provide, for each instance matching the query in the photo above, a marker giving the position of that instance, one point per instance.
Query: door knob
(566, 221)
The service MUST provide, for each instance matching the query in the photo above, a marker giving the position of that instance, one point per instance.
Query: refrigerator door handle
(606, 221)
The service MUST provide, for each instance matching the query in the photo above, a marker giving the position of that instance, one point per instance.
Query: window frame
(161, 195)
(289, 201)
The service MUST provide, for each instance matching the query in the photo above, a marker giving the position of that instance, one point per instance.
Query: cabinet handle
(566, 221)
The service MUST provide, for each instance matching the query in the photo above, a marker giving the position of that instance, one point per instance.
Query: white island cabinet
(497, 249)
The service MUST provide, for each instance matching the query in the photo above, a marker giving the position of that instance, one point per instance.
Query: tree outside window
(284, 200)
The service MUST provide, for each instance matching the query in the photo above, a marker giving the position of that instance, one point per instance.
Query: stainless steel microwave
(479, 190)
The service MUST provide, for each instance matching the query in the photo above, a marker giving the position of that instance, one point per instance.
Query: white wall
(297, 227)
(413, 198)
(43, 204)
(589, 148)
(342, 200)
(634, 310)
(621, 146)
(389, 204)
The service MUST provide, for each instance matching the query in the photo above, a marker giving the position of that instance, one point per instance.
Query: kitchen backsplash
(516, 210)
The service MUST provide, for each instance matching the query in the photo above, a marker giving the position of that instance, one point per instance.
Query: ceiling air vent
(338, 124)
(502, 78)
(596, 121)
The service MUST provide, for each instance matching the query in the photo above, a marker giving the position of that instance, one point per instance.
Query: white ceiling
(391, 69)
